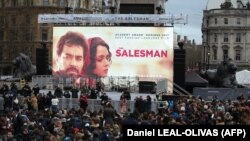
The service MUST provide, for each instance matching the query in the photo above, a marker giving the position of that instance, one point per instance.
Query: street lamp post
(208, 60)
(204, 62)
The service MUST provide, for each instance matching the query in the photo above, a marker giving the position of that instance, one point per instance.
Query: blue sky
(194, 10)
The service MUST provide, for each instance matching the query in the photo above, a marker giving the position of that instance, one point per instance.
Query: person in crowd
(93, 93)
(33, 102)
(10, 136)
(67, 94)
(148, 103)
(139, 104)
(58, 92)
(83, 100)
(123, 105)
(109, 114)
(24, 134)
(74, 92)
(104, 99)
(13, 88)
(1, 104)
(17, 121)
(54, 104)
(71, 52)
(3, 126)
(98, 58)
(26, 90)
(36, 89)
(8, 100)
(99, 86)
(58, 129)
(48, 99)
(15, 103)
(5, 88)
(126, 94)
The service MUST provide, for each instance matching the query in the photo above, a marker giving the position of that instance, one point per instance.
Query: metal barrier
(43, 81)
(111, 83)
(95, 104)
(221, 93)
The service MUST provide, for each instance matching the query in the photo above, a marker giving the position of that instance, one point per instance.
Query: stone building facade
(226, 33)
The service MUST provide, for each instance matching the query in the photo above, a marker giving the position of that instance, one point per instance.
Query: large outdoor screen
(133, 51)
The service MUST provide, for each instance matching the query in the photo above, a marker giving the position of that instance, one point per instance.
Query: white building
(226, 32)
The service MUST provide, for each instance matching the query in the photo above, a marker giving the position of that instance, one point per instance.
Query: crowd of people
(38, 118)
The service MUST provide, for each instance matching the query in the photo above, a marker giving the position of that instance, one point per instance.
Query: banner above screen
(112, 18)
(135, 51)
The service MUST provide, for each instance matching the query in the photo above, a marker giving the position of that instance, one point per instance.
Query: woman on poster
(98, 61)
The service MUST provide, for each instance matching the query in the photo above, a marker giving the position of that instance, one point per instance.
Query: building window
(29, 2)
(215, 37)
(1, 35)
(62, 3)
(225, 37)
(86, 4)
(225, 20)
(237, 55)
(1, 20)
(238, 37)
(45, 2)
(238, 21)
(29, 53)
(14, 3)
(54, 1)
(26, 2)
(16, 35)
(28, 35)
(215, 21)
(77, 3)
(13, 20)
(13, 35)
(1, 53)
(225, 54)
(6, 52)
(9, 53)
(28, 17)
(31, 35)
(44, 35)
(215, 54)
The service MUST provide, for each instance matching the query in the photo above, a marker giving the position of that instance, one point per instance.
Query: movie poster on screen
(136, 51)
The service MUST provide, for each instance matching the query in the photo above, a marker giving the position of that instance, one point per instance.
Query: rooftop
(215, 4)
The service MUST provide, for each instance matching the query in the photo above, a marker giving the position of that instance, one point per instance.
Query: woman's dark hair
(91, 56)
